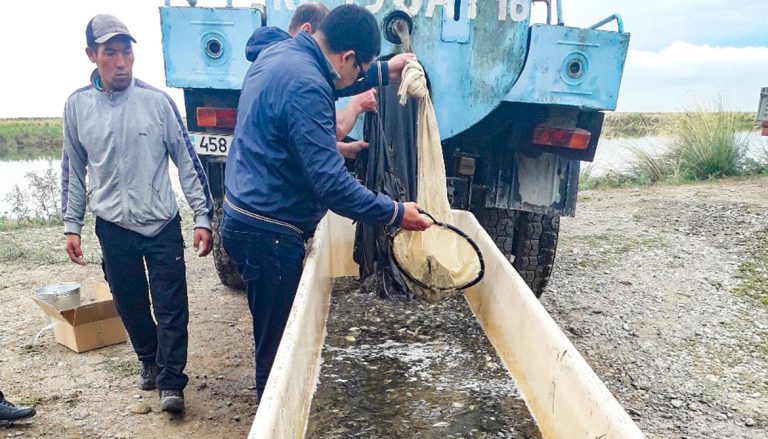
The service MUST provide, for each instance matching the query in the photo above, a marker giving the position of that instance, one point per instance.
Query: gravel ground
(90, 395)
(660, 289)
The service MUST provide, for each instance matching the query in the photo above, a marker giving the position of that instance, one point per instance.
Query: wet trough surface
(395, 369)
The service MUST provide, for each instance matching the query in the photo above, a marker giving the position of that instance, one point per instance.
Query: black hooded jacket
(264, 37)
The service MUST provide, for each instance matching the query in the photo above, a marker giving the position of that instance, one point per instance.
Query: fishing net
(403, 134)
(442, 259)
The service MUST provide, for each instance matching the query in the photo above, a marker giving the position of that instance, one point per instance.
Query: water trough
(563, 394)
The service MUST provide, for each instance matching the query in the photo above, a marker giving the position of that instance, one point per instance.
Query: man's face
(114, 60)
(351, 69)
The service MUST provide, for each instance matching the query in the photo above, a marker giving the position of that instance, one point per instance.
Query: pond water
(13, 173)
(612, 155)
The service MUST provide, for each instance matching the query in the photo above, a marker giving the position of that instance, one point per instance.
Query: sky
(682, 52)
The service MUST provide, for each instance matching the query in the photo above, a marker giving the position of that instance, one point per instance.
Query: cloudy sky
(681, 51)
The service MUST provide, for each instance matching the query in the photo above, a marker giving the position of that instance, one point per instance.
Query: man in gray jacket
(122, 131)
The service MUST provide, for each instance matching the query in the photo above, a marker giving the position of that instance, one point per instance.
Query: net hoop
(454, 229)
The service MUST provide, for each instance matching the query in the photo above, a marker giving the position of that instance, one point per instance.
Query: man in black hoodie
(307, 18)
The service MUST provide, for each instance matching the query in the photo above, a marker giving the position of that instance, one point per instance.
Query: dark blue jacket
(283, 165)
(264, 37)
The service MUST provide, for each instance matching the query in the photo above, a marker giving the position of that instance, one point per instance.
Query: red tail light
(216, 117)
(765, 127)
(574, 138)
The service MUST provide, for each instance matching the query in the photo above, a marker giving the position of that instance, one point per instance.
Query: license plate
(210, 144)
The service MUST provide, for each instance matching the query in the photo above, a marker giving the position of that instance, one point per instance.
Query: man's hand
(73, 249)
(397, 63)
(346, 118)
(349, 150)
(413, 220)
(364, 102)
(202, 236)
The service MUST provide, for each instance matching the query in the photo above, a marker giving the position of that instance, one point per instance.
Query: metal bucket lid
(58, 291)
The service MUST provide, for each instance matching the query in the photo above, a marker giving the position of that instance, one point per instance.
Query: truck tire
(530, 238)
(225, 268)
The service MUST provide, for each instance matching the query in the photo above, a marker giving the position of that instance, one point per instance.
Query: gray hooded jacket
(122, 140)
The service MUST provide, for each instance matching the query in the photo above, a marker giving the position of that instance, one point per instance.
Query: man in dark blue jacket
(307, 18)
(284, 171)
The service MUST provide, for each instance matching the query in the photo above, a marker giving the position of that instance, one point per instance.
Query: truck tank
(519, 104)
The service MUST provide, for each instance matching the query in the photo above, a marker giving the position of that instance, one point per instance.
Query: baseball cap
(103, 27)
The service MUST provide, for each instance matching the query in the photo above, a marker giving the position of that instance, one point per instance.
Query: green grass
(608, 249)
(609, 180)
(9, 224)
(27, 139)
(753, 272)
(71, 399)
(120, 367)
(657, 124)
(705, 143)
(30, 349)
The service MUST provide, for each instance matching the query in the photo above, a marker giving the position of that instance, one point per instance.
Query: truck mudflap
(538, 182)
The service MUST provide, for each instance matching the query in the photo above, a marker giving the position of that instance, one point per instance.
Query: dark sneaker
(9, 412)
(172, 401)
(148, 376)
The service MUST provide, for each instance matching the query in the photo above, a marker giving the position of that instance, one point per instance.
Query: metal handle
(560, 21)
(617, 17)
(428, 215)
(262, 8)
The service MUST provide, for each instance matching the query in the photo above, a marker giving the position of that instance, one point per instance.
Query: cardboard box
(89, 326)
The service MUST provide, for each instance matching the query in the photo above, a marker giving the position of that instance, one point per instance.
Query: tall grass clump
(589, 179)
(26, 139)
(708, 144)
(649, 168)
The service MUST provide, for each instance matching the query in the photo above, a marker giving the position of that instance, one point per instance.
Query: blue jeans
(124, 255)
(270, 265)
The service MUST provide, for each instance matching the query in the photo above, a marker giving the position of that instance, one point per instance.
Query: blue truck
(519, 104)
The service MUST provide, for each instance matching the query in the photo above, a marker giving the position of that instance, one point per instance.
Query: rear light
(765, 127)
(216, 117)
(573, 138)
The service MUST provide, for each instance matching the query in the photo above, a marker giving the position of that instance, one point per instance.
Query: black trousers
(271, 266)
(125, 254)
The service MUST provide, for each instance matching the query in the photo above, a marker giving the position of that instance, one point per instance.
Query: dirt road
(659, 289)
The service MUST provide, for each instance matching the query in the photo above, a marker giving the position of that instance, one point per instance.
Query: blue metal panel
(456, 28)
(571, 66)
(205, 47)
(470, 73)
